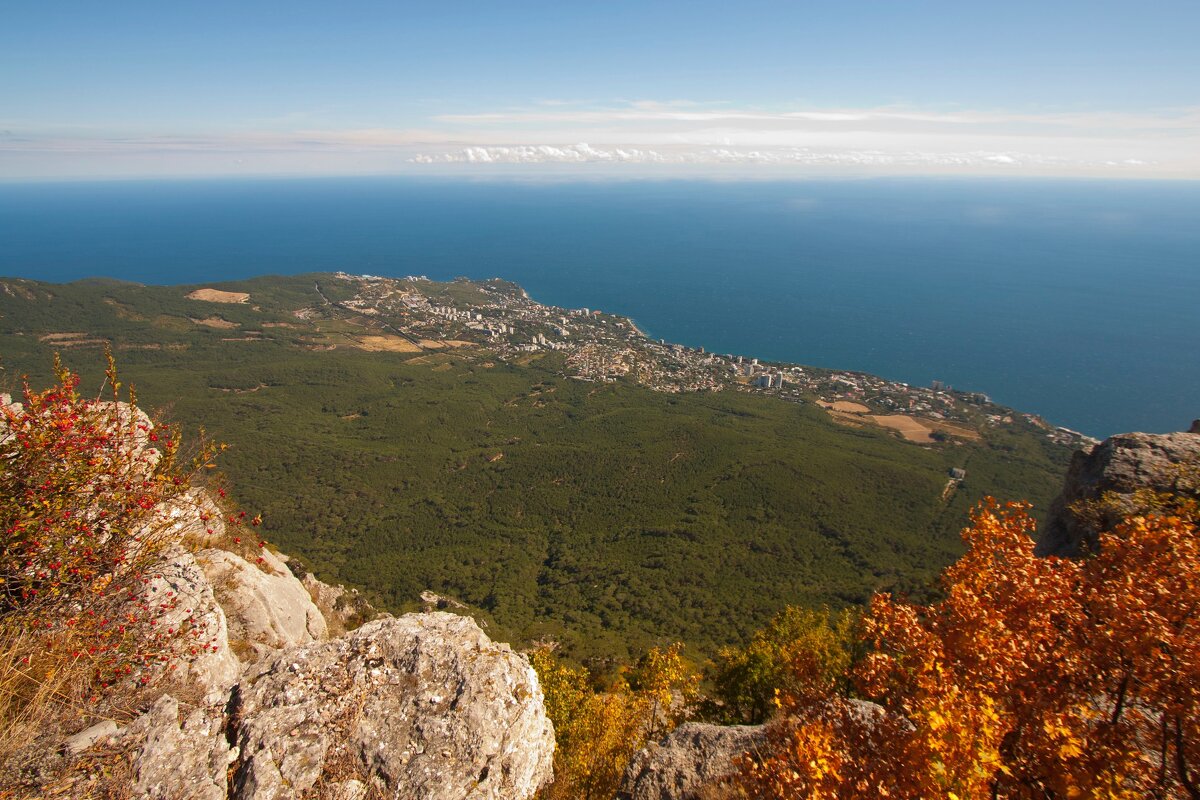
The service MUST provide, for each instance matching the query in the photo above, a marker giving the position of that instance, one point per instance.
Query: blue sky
(140, 88)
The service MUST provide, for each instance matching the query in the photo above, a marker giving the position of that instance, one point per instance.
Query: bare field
(910, 428)
(217, 296)
(851, 420)
(386, 344)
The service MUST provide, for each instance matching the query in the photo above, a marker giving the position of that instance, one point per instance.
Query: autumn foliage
(1033, 678)
(800, 652)
(597, 733)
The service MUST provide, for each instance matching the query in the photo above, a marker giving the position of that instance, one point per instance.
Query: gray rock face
(423, 706)
(214, 668)
(177, 760)
(266, 609)
(1123, 465)
(687, 763)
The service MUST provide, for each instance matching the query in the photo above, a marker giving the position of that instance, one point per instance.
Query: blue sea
(1077, 300)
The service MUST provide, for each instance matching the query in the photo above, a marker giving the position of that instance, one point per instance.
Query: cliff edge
(1122, 475)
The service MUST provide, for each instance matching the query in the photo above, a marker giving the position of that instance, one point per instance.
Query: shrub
(798, 652)
(87, 492)
(597, 733)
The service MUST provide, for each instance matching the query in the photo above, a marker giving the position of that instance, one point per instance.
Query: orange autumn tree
(1033, 678)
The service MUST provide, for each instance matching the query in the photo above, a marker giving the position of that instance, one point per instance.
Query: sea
(1077, 300)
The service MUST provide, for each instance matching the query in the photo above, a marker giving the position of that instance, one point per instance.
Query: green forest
(604, 516)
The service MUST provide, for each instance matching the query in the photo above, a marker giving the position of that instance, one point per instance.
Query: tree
(597, 733)
(1034, 677)
(747, 679)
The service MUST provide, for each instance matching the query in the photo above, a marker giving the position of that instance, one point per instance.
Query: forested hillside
(604, 515)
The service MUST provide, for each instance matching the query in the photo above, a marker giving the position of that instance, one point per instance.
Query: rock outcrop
(176, 758)
(343, 609)
(688, 762)
(692, 761)
(266, 607)
(421, 706)
(1117, 469)
(180, 583)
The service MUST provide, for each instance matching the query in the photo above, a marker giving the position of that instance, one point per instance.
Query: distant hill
(553, 468)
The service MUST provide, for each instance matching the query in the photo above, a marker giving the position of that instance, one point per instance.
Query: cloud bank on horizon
(628, 138)
(783, 88)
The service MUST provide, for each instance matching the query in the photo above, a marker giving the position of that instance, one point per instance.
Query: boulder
(421, 706)
(266, 608)
(688, 762)
(1117, 468)
(694, 760)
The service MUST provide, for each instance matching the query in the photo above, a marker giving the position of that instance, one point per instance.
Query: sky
(131, 89)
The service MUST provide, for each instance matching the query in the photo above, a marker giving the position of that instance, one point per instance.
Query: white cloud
(673, 134)
(587, 154)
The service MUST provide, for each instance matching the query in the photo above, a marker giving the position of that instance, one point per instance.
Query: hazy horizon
(778, 90)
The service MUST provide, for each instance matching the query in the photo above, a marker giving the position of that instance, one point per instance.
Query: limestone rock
(691, 762)
(267, 609)
(421, 706)
(177, 760)
(1122, 465)
(688, 761)
(86, 738)
(179, 582)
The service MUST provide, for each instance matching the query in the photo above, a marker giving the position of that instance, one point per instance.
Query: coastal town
(499, 318)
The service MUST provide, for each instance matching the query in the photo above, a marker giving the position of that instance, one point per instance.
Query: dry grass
(41, 703)
(60, 337)
(959, 431)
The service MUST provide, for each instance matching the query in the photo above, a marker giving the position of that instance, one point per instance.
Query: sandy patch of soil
(847, 407)
(217, 296)
(911, 428)
(386, 344)
(70, 340)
